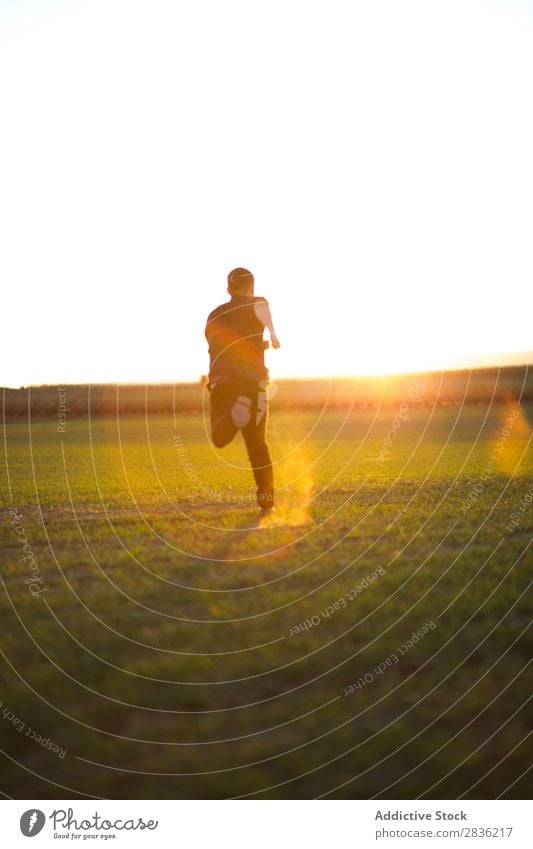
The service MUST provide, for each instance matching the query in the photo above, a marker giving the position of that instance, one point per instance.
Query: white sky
(370, 162)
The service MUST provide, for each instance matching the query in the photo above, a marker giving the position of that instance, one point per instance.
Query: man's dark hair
(240, 280)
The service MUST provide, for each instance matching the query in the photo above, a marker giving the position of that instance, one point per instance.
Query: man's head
(240, 282)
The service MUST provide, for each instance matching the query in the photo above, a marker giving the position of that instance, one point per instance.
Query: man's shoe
(267, 517)
(241, 411)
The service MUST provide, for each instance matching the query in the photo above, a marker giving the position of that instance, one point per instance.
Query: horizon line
(288, 377)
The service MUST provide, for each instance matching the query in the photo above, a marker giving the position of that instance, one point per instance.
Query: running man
(238, 377)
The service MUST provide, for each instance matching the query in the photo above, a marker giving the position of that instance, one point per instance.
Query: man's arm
(262, 311)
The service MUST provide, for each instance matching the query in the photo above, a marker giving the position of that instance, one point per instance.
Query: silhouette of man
(238, 377)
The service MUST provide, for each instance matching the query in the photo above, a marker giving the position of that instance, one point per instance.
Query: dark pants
(223, 397)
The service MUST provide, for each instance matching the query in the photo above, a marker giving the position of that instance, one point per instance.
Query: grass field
(160, 646)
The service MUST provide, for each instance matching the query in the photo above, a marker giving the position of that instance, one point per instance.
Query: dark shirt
(235, 337)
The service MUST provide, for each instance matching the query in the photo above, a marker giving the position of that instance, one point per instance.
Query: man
(238, 377)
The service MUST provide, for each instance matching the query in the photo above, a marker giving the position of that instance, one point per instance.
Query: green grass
(161, 651)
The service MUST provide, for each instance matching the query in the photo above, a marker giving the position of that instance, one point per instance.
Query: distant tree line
(478, 386)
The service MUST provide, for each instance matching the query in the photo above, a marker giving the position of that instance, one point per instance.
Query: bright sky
(370, 162)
